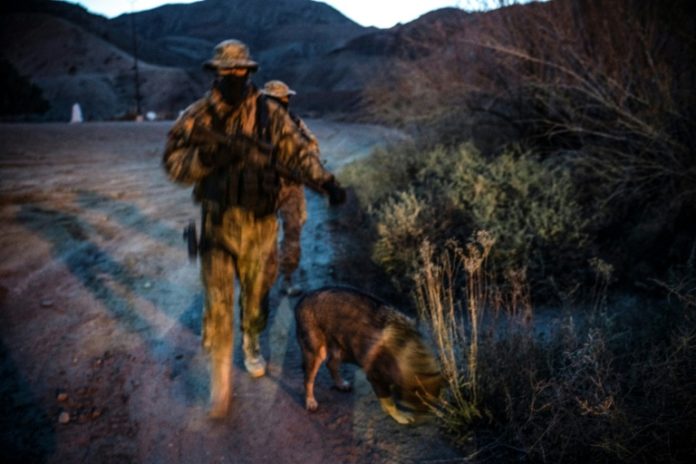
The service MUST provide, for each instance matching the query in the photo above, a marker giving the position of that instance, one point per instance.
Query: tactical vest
(253, 188)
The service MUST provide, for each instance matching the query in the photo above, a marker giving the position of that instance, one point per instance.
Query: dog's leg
(334, 364)
(312, 363)
(399, 416)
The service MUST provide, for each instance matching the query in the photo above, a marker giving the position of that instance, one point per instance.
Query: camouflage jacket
(223, 175)
(312, 144)
(304, 130)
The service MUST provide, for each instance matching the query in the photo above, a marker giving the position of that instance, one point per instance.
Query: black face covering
(232, 88)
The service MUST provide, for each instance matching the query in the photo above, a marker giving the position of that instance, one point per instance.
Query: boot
(253, 361)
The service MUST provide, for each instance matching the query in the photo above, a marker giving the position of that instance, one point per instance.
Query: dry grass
(438, 303)
(616, 386)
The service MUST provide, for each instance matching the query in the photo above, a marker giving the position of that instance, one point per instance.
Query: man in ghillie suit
(292, 204)
(237, 184)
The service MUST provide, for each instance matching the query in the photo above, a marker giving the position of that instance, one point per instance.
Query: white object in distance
(76, 114)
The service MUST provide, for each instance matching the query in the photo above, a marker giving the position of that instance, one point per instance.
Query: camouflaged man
(292, 204)
(239, 198)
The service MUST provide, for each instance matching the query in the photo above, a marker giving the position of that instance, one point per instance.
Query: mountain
(280, 28)
(120, 36)
(284, 36)
(336, 65)
(382, 61)
(71, 64)
(73, 55)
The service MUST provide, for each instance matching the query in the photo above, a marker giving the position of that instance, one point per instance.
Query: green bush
(401, 228)
(383, 173)
(528, 205)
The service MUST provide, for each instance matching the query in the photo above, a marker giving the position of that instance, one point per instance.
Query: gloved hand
(337, 194)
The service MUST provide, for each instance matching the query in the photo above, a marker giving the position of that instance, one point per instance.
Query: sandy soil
(100, 316)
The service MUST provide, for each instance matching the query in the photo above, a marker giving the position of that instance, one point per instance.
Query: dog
(339, 324)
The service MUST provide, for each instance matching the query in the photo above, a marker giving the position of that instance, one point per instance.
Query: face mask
(232, 88)
(284, 103)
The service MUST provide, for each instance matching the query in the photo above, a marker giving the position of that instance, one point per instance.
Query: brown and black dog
(341, 324)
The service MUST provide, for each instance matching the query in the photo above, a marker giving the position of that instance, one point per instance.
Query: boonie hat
(231, 54)
(277, 89)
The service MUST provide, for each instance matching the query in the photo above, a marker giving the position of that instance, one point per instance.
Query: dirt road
(100, 317)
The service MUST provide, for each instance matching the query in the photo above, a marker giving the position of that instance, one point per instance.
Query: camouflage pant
(245, 246)
(293, 213)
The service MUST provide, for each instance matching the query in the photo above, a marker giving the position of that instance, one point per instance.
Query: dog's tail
(421, 380)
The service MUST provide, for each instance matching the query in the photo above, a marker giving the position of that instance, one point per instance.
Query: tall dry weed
(617, 386)
(438, 297)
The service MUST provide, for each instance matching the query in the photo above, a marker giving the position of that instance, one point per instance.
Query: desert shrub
(617, 385)
(605, 85)
(385, 171)
(528, 205)
(401, 228)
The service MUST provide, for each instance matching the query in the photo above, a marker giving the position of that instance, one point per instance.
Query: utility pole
(138, 111)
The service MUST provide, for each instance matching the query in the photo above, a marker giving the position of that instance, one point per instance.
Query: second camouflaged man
(239, 198)
(292, 204)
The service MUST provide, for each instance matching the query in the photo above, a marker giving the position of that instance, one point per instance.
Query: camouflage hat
(277, 89)
(231, 54)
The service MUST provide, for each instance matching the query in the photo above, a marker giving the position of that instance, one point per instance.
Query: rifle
(267, 158)
(241, 142)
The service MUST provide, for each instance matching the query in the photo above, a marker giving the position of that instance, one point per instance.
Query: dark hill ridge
(422, 37)
(71, 64)
(276, 31)
(99, 26)
(256, 22)
(332, 62)
(285, 36)
(376, 72)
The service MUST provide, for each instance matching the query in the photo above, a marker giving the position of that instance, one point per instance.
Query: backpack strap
(262, 132)
(262, 119)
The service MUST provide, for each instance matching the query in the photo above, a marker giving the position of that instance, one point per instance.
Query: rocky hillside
(119, 35)
(73, 55)
(337, 66)
(277, 30)
(287, 37)
(71, 64)
(376, 72)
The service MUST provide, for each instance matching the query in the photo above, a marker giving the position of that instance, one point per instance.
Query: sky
(379, 13)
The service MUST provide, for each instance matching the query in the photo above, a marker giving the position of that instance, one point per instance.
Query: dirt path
(100, 317)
